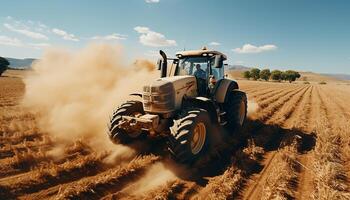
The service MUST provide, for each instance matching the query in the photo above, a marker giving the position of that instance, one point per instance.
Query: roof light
(204, 54)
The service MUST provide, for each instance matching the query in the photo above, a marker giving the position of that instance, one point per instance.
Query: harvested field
(295, 145)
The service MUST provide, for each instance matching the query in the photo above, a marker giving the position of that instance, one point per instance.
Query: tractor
(191, 97)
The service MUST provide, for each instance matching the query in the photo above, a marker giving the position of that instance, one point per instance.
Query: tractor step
(222, 113)
(222, 118)
(223, 123)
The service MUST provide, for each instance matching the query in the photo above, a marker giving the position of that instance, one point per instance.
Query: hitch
(147, 122)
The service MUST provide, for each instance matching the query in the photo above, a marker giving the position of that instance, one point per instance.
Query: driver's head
(198, 66)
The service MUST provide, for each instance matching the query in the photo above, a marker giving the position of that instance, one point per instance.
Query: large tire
(236, 109)
(190, 135)
(118, 135)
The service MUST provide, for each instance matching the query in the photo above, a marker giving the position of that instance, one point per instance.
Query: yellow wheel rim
(198, 138)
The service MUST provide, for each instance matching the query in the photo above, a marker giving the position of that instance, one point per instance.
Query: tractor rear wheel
(190, 135)
(236, 109)
(118, 135)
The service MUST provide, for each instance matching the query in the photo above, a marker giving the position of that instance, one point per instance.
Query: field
(295, 145)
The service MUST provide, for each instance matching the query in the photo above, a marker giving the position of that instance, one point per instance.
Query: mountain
(238, 67)
(16, 63)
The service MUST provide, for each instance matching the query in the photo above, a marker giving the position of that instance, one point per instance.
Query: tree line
(275, 75)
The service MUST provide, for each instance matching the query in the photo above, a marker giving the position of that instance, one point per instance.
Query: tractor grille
(159, 99)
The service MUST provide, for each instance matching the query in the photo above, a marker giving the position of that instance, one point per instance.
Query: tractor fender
(136, 94)
(222, 88)
(201, 102)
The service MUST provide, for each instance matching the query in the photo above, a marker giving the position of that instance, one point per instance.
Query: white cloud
(114, 36)
(152, 1)
(39, 45)
(153, 39)
(36, 29)
(25, 31)
(8, 41)
(65, 35)
(248, 48)
(214, 44)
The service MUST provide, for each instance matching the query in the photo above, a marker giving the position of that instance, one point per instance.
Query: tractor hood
(165, 94)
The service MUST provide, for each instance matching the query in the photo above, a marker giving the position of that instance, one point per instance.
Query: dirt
(279, 154)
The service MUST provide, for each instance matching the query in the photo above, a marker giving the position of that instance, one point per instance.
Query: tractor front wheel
(118, 135)
(190, 135)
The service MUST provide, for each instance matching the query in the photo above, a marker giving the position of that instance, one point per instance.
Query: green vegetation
(255, 73)
(290, 75)
(265, 74)
(246, 74)
(275, 75)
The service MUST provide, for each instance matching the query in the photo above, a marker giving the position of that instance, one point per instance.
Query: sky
(276, 34)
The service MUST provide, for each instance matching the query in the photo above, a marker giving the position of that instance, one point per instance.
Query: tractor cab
(205, 65)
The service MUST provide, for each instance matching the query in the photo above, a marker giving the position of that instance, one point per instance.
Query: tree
(276, 75)
(283, 76)
(3, 65)
(255, 73)
(246, 74)
(265, 74)
(291, 75)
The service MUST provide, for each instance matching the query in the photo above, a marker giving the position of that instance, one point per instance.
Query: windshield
(198, 66)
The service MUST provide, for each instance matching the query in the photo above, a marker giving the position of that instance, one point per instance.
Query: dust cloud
(141, 64)
(157, 175)
(252, 108)
(74, 93)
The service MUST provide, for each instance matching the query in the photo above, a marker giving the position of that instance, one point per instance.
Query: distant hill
(315, 77)
(238, 67)
(236, 72)
(16, 63)
(339, 76)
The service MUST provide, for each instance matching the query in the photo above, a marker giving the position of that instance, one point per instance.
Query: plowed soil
(294, 145)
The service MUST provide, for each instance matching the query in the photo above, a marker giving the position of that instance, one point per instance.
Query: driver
(200, 73)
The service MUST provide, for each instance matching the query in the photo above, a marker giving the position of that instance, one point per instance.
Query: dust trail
(141, 64)
(155, 176)
(74, 93)
(252, 108)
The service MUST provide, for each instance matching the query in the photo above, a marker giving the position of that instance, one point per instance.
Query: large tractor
(191, 97)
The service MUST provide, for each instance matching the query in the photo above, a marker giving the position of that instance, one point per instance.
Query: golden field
(295, 145)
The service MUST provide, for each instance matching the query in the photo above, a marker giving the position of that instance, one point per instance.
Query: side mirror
(218, 61)
(159, 63)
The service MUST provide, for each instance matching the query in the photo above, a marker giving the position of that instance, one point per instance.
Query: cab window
(196, 66)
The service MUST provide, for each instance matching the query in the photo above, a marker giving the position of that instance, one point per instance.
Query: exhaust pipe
(164, 64)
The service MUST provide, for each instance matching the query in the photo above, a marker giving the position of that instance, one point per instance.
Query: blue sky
(279, 34)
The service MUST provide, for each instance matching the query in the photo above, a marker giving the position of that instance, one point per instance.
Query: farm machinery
(191, 96)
